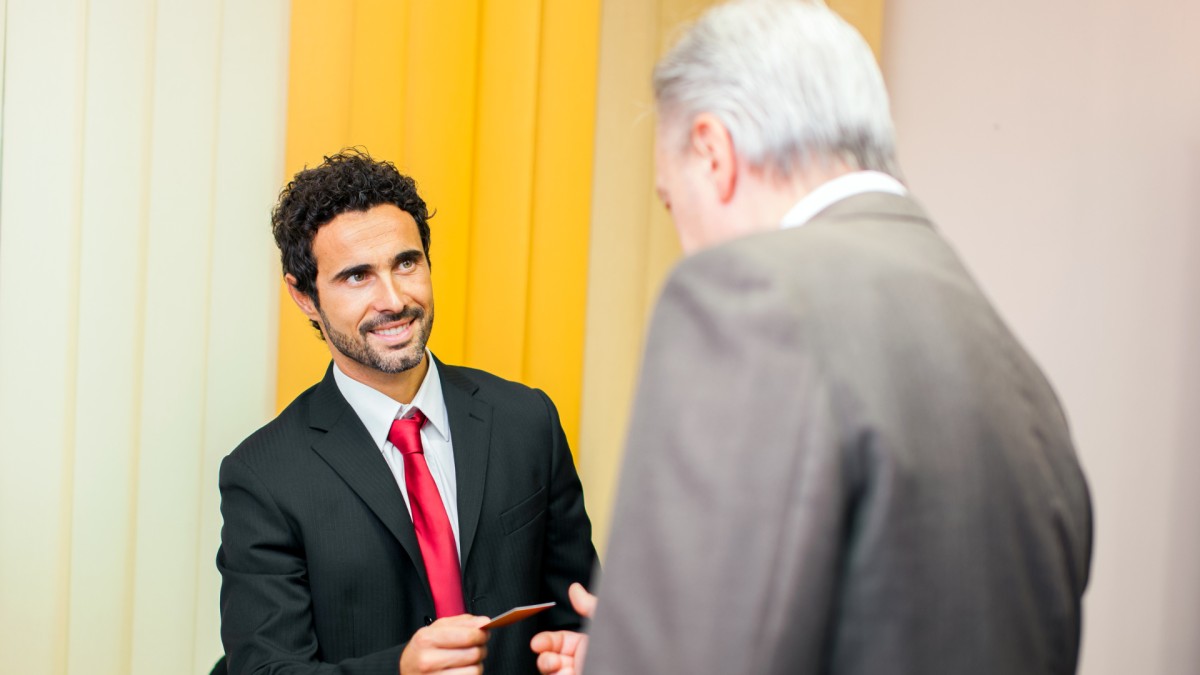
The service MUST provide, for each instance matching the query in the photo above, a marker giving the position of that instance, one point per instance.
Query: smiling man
(375, 523)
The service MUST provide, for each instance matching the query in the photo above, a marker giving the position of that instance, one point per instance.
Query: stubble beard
(397, 361)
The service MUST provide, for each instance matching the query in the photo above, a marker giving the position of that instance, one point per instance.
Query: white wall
(1058, 145)
(142, 150)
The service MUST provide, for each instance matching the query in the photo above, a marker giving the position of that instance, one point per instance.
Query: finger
(580, 651)
(469, 670)
(547, 641)
(581, 600)
(551, 663)
(438, 660)
(456, 637)
(451, 634)
(463, 620)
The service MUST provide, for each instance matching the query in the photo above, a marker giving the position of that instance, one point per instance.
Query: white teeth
(391, 331)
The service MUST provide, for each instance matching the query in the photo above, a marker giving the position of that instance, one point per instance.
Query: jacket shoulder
(476, 380)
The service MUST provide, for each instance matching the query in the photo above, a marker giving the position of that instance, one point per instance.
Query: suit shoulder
(485, 382)
(509, 398)
(762, 258)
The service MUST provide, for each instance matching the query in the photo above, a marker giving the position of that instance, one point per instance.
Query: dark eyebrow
(411, 255)
(351, 271)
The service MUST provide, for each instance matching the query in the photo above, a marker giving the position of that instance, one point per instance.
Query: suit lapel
(348, 449)
(470, 434)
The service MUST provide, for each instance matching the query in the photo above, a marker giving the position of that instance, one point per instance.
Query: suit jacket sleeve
(728, 470)
(570, 555)
(266, 604)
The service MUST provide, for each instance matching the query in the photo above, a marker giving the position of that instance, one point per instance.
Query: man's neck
(400, 387)
(766, 197)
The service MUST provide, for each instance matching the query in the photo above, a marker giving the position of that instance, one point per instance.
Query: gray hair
(793, 83)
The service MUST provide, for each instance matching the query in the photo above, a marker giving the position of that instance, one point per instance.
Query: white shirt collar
(377, 410)
(846, 185)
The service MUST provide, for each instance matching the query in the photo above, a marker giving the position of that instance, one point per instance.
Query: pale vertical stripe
(39, 283)
(176, 326)
(243, 310)
(616, 304)
(3, 32)
(115, 146)
(661, 240)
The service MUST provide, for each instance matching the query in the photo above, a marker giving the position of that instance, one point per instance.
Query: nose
(390, 296)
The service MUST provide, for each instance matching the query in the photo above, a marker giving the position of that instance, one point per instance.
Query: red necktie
(434, 534)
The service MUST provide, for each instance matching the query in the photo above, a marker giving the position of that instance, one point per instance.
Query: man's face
(680, 188)
(374, 291)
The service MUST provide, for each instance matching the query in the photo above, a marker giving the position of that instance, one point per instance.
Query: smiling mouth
(394, 329)
(396, 336)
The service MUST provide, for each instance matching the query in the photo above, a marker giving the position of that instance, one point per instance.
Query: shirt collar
(377, 410)
(831, 192)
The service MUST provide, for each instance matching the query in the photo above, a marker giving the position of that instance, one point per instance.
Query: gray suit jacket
(842, 461)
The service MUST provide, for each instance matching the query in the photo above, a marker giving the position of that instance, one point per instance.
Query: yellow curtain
(491, 107)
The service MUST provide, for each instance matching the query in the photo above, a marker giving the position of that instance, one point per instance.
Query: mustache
(414, 313)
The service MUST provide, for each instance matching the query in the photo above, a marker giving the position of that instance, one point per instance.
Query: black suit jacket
(321, 571)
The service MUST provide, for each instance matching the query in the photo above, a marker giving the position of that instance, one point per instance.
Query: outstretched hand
(562, 652)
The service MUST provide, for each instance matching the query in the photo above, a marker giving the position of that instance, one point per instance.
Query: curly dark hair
(348, 181)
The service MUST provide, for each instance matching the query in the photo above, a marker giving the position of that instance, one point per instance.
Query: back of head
(793, 83)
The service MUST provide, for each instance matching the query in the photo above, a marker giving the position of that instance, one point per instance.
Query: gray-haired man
(840, 459)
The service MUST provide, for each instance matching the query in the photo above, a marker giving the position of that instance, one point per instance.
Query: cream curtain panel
(142, 148)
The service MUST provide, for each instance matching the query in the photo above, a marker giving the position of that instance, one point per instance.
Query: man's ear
(302, 300)
(712, 142)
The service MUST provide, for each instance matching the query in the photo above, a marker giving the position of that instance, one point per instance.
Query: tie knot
(405, 433)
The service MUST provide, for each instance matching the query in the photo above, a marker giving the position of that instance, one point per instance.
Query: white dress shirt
(846, 185)
(377, 411)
